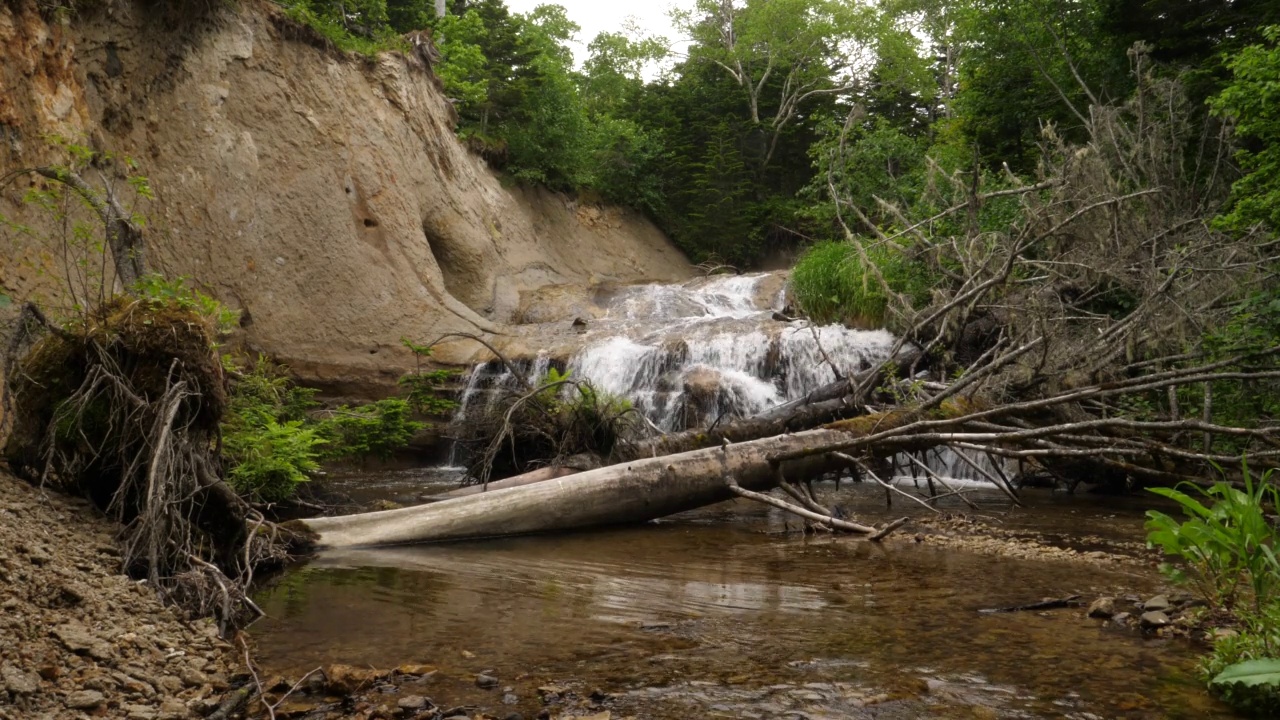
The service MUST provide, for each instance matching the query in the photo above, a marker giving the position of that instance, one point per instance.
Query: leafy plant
(271, 459)
(422, 388)
(1227, 547)
(1229, 550)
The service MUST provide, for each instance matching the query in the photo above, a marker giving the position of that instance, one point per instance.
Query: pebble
(486, 681)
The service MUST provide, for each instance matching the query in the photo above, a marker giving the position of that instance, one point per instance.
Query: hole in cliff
(464, 280)
(370, 222)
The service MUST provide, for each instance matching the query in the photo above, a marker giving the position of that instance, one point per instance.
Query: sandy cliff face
(324, 195)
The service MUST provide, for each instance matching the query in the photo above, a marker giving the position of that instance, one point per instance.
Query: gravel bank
(80, 640)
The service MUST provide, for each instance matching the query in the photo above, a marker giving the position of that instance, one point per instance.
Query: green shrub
(830, 283)
(270, 460)
(268, 441)
(273, 441)
(161, 291)
(374, 430)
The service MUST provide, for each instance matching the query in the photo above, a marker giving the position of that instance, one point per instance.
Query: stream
(715, 613)
(720, 612)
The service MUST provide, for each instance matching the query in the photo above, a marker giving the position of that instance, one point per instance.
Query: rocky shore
(77, 638)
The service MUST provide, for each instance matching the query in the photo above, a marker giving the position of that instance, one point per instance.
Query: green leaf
(1251, 672)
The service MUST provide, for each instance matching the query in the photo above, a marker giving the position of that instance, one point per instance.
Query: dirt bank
(77, 638)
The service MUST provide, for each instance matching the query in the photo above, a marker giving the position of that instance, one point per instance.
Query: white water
(687, 355)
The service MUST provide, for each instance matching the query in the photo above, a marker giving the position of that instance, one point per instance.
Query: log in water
(628, 493)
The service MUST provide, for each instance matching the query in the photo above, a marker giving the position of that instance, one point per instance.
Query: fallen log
(529, 478)
(629, 492)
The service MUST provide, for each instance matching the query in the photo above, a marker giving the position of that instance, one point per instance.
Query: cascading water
(687, 355)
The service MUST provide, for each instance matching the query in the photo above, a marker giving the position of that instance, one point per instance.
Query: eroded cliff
(324, 195)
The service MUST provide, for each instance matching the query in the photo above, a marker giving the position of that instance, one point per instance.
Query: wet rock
(1121, 618)
(551, 693)
(486, 681)
(18, 681)
(85, 700)
(1159, 603)
(1153, 619)
(1103, 607)
(510, 699)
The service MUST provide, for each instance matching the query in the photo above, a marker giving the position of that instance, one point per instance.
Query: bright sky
(597, 16)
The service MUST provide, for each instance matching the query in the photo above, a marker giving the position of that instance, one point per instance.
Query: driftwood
(626, 493)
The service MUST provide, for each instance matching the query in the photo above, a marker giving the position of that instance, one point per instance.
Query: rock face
(324, 195)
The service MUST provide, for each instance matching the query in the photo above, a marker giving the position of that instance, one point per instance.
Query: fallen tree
(629, 492)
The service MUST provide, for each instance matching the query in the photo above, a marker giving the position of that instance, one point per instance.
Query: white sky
(597, 16)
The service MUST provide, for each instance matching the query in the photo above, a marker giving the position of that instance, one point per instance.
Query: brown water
(711, 615)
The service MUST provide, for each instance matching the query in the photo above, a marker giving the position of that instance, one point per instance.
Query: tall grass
(831, 284)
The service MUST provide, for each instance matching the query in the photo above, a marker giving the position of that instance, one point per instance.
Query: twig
(835, 523)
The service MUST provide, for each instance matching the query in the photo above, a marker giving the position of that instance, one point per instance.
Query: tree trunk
(630, 492)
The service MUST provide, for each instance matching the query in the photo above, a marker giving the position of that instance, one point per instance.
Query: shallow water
(715, 614)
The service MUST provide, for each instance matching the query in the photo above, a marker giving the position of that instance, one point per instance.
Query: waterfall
(688, 354)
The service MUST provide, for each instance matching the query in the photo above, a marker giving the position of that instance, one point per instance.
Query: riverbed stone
(85, 699)
(486, 681)
(1159, 603)
(411, 702)
(1103, 607)
(1153, 619)
(18, 681)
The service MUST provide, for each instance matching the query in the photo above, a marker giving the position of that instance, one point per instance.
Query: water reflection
(725, 620)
